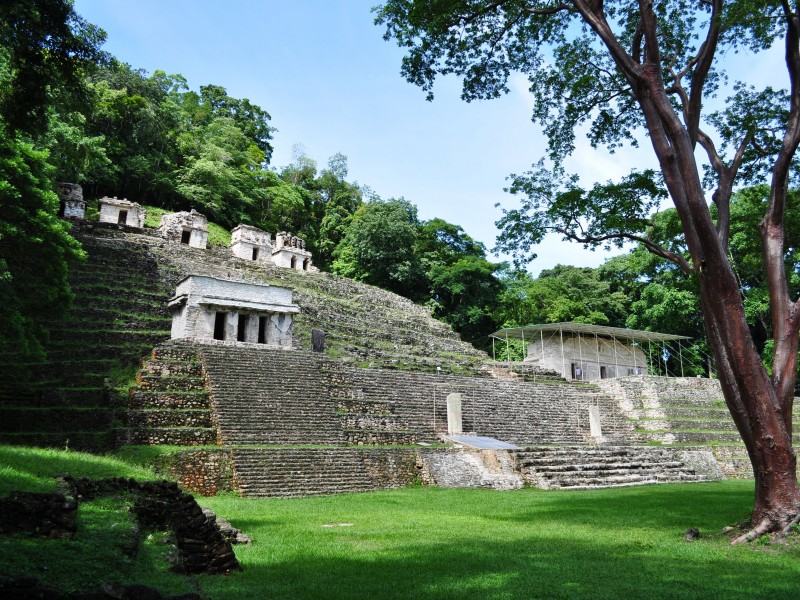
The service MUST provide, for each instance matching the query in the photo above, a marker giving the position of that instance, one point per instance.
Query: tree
(463, 289)
(378, 247)
(35, 247)
(45, 49)
(625, 67)
(563, 293)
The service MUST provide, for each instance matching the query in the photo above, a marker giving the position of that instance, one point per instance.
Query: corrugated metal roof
(634, 335)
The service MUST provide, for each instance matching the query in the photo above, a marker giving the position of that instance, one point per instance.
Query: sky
(332, 84)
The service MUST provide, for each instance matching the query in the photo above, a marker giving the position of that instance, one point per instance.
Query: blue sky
(331, 83)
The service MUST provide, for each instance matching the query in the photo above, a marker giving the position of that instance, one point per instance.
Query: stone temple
(172, 342)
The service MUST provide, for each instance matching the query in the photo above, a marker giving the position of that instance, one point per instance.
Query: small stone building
(588, 352)
(290, 252)
(206, 308)
(189, 228)
(72, 203)
(121, 212)
(251, 243)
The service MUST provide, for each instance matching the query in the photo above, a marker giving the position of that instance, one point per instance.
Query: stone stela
(206, 309)
(594, 422)
(454, 422)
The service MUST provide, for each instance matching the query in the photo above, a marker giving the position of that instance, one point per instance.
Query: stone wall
(121, 212)
(205, 472)
(68, 399)
(189, 228)
(685, 411)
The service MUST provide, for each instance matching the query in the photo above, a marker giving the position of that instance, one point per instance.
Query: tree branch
(705, 58)
(651, 246)
(550, 11)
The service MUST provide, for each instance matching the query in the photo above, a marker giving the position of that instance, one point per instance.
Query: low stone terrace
(117, 316)
(682, 412)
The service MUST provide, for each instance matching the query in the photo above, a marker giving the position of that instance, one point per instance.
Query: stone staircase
(266, 396)
(676, 412)
(292, 472)
(372, 421)
(170, 404)
(521, 412)
(599, 467)
(364, 324)
(68, 398)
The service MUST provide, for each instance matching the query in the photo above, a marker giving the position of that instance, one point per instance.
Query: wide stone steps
(578, 468)
(289, 472)
(362, 322)
(267, 396)
(170, 399)
(170, 405)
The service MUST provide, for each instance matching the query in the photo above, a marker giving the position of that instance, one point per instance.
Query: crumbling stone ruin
(39, 514)
(72, 203)
(162, 505)
(290, 252)
(251, 243)
(121, 212)
(359, 413)
(190, 228)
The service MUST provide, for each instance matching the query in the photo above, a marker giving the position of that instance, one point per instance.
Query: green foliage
(295, 555)
(377, 247)
(561, 294)
(35, 246)
(45, 47)
(36, 469)
(218, 236)
(606, 215)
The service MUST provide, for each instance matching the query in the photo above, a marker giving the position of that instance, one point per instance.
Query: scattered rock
(228, 531)
(692, 534)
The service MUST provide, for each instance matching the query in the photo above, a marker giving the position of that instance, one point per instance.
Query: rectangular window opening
(255, 253)
(219, 325)
(262, 330)
(241, 328)
(186, 236)
(123, 217)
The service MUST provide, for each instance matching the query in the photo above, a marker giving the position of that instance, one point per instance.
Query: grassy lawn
(432, 543)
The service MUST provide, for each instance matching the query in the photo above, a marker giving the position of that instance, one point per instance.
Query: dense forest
(71, 112)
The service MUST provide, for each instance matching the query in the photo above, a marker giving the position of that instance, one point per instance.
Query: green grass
(35, 469)
(218, 236)
(433, 543)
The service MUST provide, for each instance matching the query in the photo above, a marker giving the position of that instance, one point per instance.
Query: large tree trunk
(759, 406)
(754, 404)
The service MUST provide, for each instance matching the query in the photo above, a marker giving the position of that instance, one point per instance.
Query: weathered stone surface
(121, 212)
(317, 340)
(44, 515)
(189, 228)
(163, 505)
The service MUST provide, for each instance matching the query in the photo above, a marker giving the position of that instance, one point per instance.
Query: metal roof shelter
(594, 350)
(614, 332)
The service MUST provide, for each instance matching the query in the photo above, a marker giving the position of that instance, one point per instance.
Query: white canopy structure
(590, 352)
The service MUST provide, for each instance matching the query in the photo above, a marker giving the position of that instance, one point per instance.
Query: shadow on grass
(431, 543)
(556, 568)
